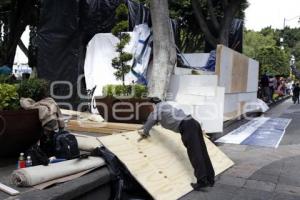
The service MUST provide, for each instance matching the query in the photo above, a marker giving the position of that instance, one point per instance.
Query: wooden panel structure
(160, 163)
(239, 75)
(102, 127)
(236, 72)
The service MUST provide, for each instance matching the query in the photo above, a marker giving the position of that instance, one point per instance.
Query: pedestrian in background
(296, 92)
(264, 81)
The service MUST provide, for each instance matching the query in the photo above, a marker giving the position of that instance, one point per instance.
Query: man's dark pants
(192, 138)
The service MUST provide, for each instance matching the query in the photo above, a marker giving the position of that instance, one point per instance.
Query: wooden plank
(239, 78)
(91, 129)
(218, 61)
(160, 163)
(8, 190)
(108, 125)
(105, 128)
(83, 115)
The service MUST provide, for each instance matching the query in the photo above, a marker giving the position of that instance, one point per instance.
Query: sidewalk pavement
(261, 173)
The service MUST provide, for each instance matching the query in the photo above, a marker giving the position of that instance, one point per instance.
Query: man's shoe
(202, 184)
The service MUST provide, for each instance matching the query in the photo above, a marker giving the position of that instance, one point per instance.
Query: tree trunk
(164, 49)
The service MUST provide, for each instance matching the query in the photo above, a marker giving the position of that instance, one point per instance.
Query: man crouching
(191, 135)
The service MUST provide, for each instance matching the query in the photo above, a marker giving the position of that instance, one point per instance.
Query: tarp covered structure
(66, 27)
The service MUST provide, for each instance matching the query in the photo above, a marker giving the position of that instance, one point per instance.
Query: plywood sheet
(239, 78)
(160, 163)
(236, 72)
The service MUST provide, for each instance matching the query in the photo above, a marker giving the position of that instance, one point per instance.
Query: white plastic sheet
(98, 69)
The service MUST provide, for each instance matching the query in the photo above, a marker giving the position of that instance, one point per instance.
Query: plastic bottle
(21, 161)
(28, 162)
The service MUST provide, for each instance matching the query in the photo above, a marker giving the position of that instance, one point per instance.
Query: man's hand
(142, 134)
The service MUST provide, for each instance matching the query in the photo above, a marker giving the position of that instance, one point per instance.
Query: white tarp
(98, 69)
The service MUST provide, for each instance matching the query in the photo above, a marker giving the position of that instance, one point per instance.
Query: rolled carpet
(40, 174)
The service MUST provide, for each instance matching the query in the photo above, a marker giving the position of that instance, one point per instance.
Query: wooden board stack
(101, 127)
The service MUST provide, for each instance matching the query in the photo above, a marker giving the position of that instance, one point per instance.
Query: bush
(135, 91)
(9, 79)
(9, 99)
(36, 89)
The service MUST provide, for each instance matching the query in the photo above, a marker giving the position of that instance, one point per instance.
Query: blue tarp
(5, 70)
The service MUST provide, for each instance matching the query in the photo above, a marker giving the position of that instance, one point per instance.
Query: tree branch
(202, 23)
(212, 14)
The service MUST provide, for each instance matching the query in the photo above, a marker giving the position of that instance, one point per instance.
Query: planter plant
(19, 129)
(119, 30)
(123, 103)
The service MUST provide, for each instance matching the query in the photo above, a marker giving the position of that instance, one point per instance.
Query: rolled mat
(40, 174)
(87, 143)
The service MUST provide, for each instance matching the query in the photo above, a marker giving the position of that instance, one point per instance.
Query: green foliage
(125, 39)
(273, 60)
(36, 89)
(9, 79)
(9, 99)
(253, 41)
(121, 12)
(120, 63)
(136, 90)
(264, 47)
(120, 27)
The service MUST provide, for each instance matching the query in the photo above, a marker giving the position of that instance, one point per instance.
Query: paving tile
(266, 177)
(289, 180)
(231, 180)
(282, 196)
(218, 192)
(288, 189)
(249, 194)
(260, 185)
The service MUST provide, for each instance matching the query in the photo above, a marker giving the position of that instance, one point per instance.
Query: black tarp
(65, 28)
(58, 44)
(138, 14)
(236, 35)
(97, 16)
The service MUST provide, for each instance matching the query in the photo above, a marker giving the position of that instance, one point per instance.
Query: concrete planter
(123, 110)
(18, 131)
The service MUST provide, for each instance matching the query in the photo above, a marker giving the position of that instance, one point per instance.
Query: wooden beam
(8, 190)
(103, 127)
